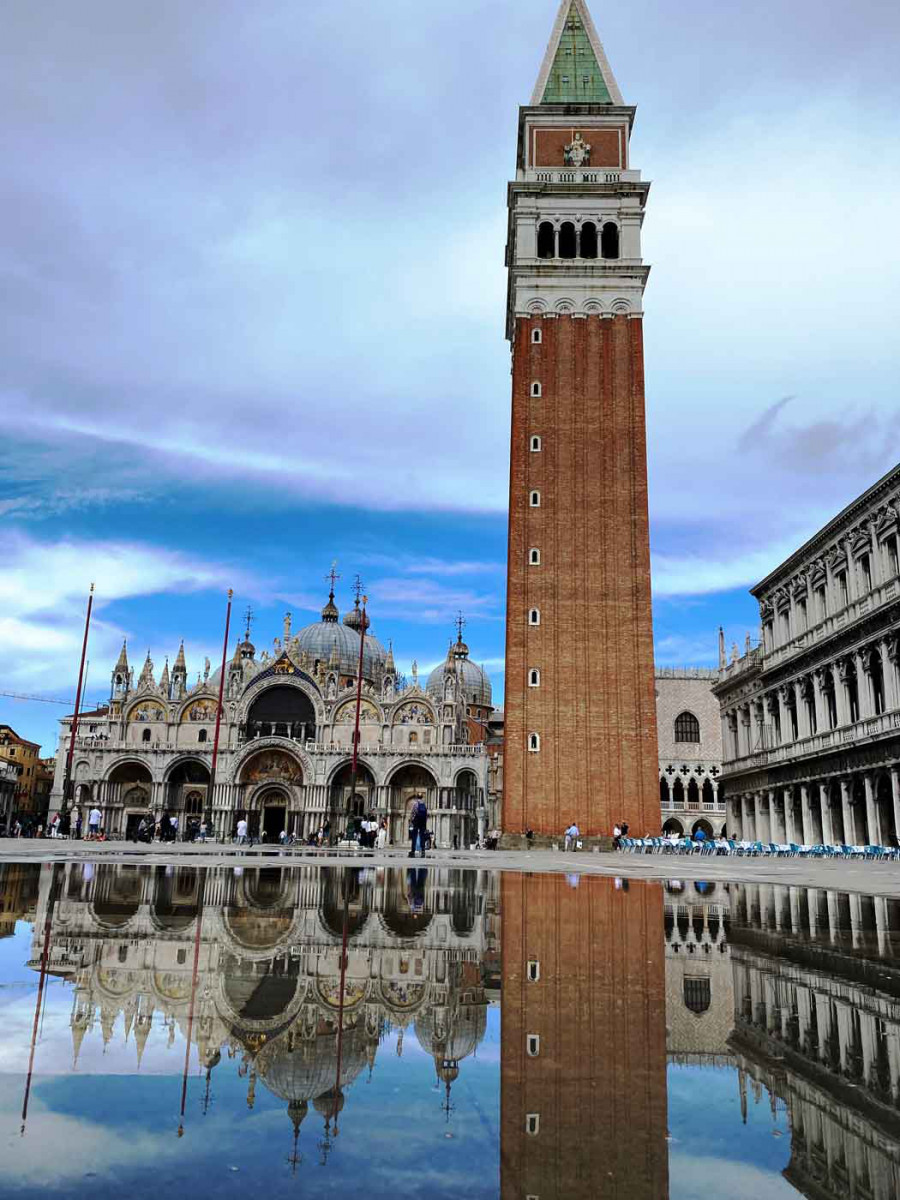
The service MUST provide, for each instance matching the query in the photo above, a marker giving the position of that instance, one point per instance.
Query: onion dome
(354, 618)
(466, 1029)
(337, 645)
(476, 683)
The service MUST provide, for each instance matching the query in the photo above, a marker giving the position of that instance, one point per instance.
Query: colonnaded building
(286, 738)
(811, 716)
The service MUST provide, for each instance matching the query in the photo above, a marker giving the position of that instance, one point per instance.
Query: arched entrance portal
(186, 787)
(350, 801)
(282, 712)
(131, 785)
(271, 814)
(407, 786)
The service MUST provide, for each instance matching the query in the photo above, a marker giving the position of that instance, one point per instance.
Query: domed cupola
(330, 612)
(354, 618)
(336, 644)
(475, 681)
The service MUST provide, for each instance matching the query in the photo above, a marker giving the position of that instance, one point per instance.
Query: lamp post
(67, 777)
(215, 752)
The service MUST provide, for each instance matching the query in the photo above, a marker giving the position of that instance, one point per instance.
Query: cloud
(43, 593)
(700, 573)
(427, 601)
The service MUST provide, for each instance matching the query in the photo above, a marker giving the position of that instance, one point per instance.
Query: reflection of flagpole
(340, 1036)
(215, 753)
(194, 979)
(45, 955)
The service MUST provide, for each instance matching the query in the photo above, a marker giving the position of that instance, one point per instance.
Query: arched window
(664, 791)
(535, 389)
(534, 617)
(535, 445)
(537, 336)
(535, 500)
(534, 677)
(534, 743)
(202, 735)
(146, 735)
(413, 738)
(534, 557)
(546, 240)
(697, 994)
(533, 1045)
(687, 728)
(567, 240)
(533, 1124)
(589, 240)
(609, 240)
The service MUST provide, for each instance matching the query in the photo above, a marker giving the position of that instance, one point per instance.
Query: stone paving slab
(866, 878)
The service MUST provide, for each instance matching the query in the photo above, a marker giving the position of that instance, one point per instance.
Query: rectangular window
(865, 572)
(890, 546)
(842, 587)
(822, 602)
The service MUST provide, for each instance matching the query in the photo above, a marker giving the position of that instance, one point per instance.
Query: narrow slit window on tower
(534, 617)
(535, 444)
(534, 677)
(609, 240)
(546, 247)
(589, 240)
(535, 389)
(534, 556)
(535, 500)
(533, 1124)
(533, 1045)
(537, 336)
(567, 240)
(534, 743)
(533, 970)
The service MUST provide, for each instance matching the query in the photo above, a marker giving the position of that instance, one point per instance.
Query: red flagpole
(359, 679)
(67, 778)
(215, 753)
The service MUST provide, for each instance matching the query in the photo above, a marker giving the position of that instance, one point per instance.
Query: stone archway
(269, 783)
(281, 711)
(407, 785)
(129, 784)
(269, 815)
(673, 826)
(350, 800)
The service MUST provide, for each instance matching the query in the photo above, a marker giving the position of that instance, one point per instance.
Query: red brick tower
(580, 724)
(583, 1040)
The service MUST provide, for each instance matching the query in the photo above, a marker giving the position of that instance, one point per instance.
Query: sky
(252, 302)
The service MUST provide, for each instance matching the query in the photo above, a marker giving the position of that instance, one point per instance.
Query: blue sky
(252, 303)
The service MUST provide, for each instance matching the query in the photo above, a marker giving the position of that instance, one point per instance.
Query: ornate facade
(286, 739)
(690, 751)
(580, 718)
(811, 716)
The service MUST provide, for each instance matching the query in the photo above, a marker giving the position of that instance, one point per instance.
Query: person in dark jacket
(417, 827)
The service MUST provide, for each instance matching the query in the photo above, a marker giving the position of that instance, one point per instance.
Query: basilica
(286, 738)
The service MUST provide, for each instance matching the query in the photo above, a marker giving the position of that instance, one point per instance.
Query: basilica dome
(328, 636)
(464, 1033)
(476, 683)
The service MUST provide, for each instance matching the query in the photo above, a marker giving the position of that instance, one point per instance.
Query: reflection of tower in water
(583, 1063)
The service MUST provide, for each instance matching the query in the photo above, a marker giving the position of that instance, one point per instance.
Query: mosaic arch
(368, 713)
(202, 709)
(147, 710)
(272, 765)
(413, 712)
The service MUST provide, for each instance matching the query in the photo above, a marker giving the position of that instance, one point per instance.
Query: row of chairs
(731, 847)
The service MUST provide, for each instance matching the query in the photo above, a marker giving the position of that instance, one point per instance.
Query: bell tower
(580, 724)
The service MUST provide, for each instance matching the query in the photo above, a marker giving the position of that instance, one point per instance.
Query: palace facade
(286, 739)
(690, 751)
(811, 716)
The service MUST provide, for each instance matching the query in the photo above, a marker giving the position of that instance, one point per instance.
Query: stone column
(822, 722)
(794, 895)
(812, 906)
(776, 819)
(881, 925)
(827, 825)
(834, 920)
(863, 686)
(790, 831)
(747, 830)
(745, 736)
(847, 813)
(763, 818)
(895, 796)
(841, 698)
(805, 815)
(856, 919)
(803, 726)
(888, 675)
(872, 811)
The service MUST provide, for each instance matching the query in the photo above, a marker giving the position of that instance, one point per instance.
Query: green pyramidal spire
(575, 69)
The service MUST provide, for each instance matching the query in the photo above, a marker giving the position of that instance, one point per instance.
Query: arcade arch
(281, 711)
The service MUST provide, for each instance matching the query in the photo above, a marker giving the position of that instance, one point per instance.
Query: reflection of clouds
(53, 1055)
(57, 1149)
(690, 1178)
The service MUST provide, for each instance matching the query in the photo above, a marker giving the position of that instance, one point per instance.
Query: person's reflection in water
(415, 889)
(583, 1055)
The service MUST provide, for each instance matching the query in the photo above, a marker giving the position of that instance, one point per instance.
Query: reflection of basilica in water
(797, 990)
(272, 988)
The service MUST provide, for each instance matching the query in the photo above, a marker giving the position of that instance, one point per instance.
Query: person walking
(571, 836)
(94, 819)
(417, 827)
(381, 839)
(242, 831)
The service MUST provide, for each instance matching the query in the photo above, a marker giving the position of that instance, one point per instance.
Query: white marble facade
(811, 715)
(286, 740)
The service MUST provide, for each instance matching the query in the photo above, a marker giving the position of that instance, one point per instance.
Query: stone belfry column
(580, 725)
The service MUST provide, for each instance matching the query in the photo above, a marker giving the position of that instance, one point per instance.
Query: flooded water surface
(439, 1032)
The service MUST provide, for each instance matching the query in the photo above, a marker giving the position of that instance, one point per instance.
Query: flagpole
(67, 777)
(354, 768)
(215, 753)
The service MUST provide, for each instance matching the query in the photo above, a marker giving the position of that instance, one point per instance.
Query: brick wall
(595, 709)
